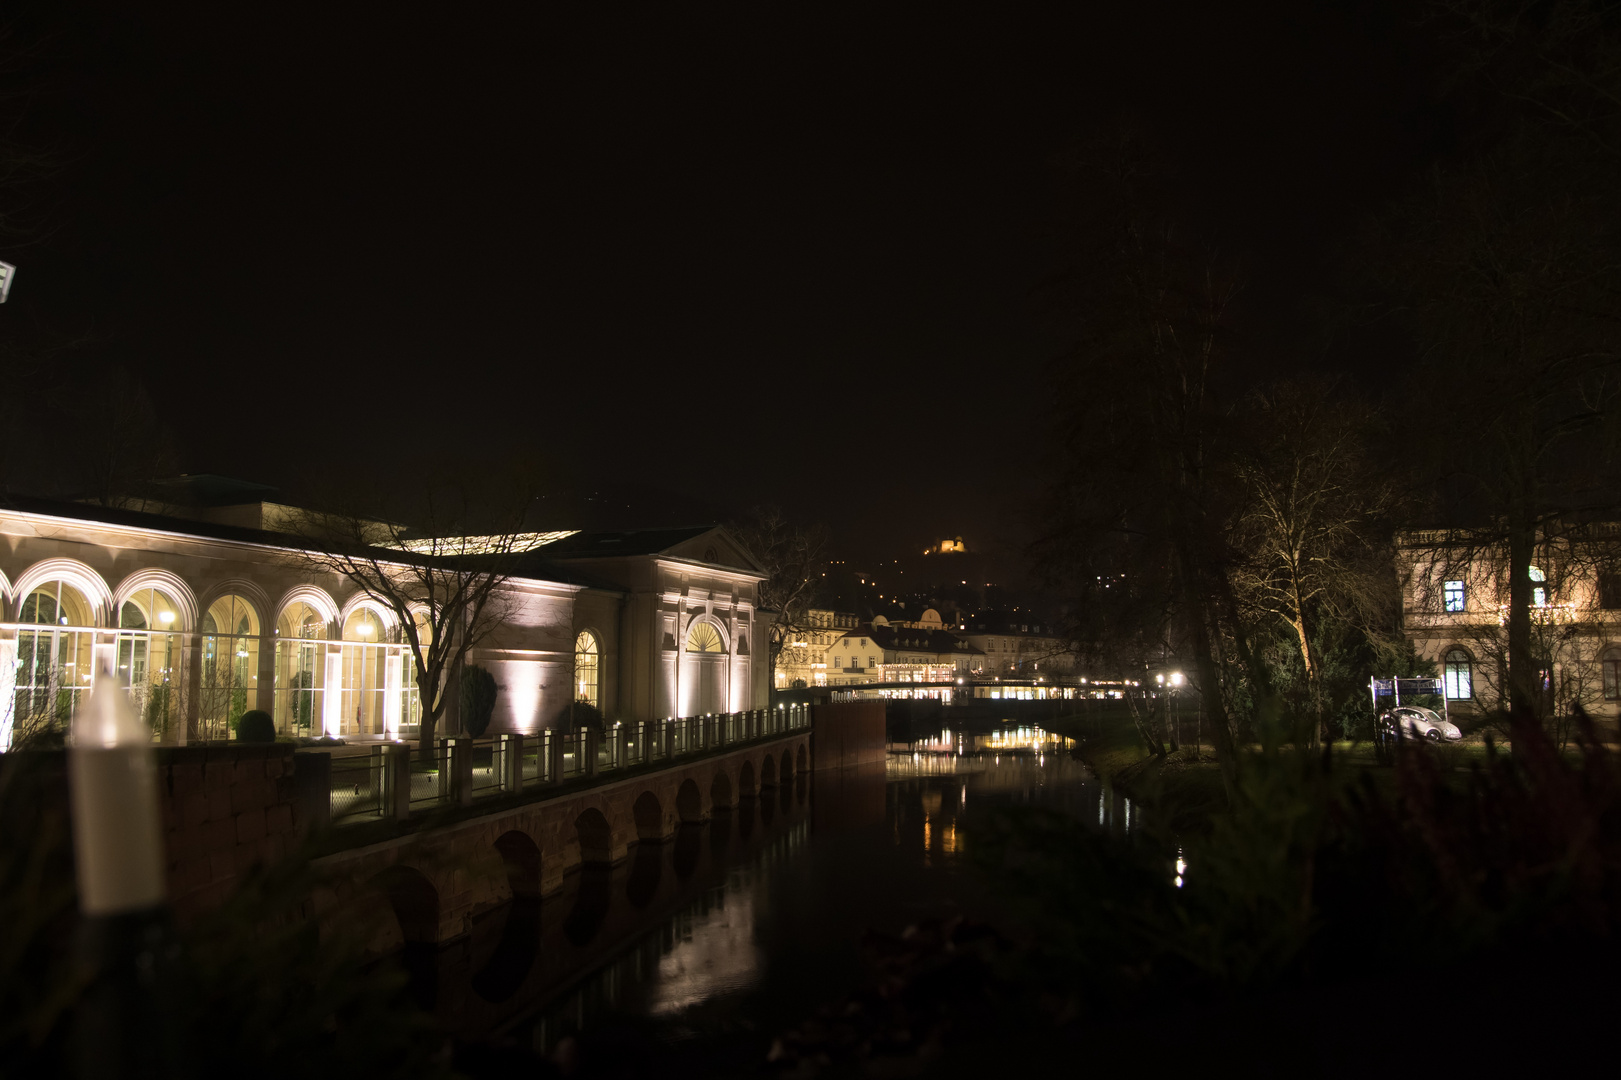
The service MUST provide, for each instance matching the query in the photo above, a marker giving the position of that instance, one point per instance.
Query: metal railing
(390, 782)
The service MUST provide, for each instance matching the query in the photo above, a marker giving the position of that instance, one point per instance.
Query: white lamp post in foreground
(123, 1023)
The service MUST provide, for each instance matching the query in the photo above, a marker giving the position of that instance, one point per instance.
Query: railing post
(554, 756)
(312, 782)
(510, 747)
(396, 802)
(585, 740)
(461, 769)
(447, 780)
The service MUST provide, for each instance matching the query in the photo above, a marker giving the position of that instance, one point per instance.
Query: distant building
(1010, 647)
(803, 661)
(881, 652)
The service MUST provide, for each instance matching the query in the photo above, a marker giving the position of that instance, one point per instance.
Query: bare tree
(442, 580)
(792, 556)
(1312, 518)
(1139, 537)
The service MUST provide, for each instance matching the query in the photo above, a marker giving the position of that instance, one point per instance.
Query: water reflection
(759, 913)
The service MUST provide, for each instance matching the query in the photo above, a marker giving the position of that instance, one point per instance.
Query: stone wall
(225, 809)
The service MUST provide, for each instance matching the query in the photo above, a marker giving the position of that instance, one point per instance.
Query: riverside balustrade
(389, 781)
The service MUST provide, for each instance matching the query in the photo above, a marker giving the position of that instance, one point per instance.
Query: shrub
(478, 699)
(256, 726)
(581, 714)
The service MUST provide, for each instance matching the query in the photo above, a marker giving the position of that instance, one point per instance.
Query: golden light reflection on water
(716, 955)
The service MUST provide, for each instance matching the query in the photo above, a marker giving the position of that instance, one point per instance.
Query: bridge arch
(648, 814)
(596, 838)
(521, 857)
(689, 804)
(787, 773)
(768, 772)
(745, 780)
(414, 900)
(799, 761)
(720, 791)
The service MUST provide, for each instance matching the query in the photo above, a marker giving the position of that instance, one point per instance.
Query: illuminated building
(803, 661)
(206, 615)
(1455, 599)
(878, 652)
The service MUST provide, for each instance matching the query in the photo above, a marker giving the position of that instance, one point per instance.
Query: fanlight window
(586, 667)
(704, 638)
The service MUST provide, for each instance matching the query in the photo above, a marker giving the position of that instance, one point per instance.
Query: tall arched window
(149, 657)
(587, 668)
(54, 656)
(300, 669)
(1539, 591)
(1612, 674)
(1458, 675)
(366, 655)
(230, 675)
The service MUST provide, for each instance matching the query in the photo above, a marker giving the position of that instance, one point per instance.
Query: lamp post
(123, 1024)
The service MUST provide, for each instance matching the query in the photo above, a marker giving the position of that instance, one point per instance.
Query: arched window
(1612, 674)
(703, 637)
(149, 657)
(587, 668)
(1458, 676)
(366, 656)
(54, 656)
(300, 669)
(1539, 591)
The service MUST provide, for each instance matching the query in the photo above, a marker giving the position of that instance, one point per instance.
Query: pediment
(718, 548)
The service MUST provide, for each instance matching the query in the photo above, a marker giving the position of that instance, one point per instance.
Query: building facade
(202, 620)
(1455, 608)
(803, 662)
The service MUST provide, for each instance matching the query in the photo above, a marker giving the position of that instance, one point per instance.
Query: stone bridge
(437, 882)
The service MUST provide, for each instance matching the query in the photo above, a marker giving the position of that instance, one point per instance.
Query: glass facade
(55, 643)
(229, 651)
(149, 659)
(300, 670)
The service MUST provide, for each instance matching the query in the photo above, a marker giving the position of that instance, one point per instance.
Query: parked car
(1417, 722)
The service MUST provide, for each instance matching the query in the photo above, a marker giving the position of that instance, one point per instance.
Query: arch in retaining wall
(720, 791)
(414, 901)
(595, 837)
(521, 857)
(648, 815)
(689, 804)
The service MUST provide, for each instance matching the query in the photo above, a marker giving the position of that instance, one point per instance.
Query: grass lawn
(1187, 787)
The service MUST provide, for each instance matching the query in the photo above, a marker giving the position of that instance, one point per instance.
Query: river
(740, 928)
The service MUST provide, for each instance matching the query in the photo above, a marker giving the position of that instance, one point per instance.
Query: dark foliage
(478, 692)
(581, 714)
(1310, 878)
(256, 726)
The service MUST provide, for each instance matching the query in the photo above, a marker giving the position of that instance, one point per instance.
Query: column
(8, 688)
(332, 695)
(393, 690)
(264, 694)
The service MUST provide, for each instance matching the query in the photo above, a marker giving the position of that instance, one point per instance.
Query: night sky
(731, 252)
